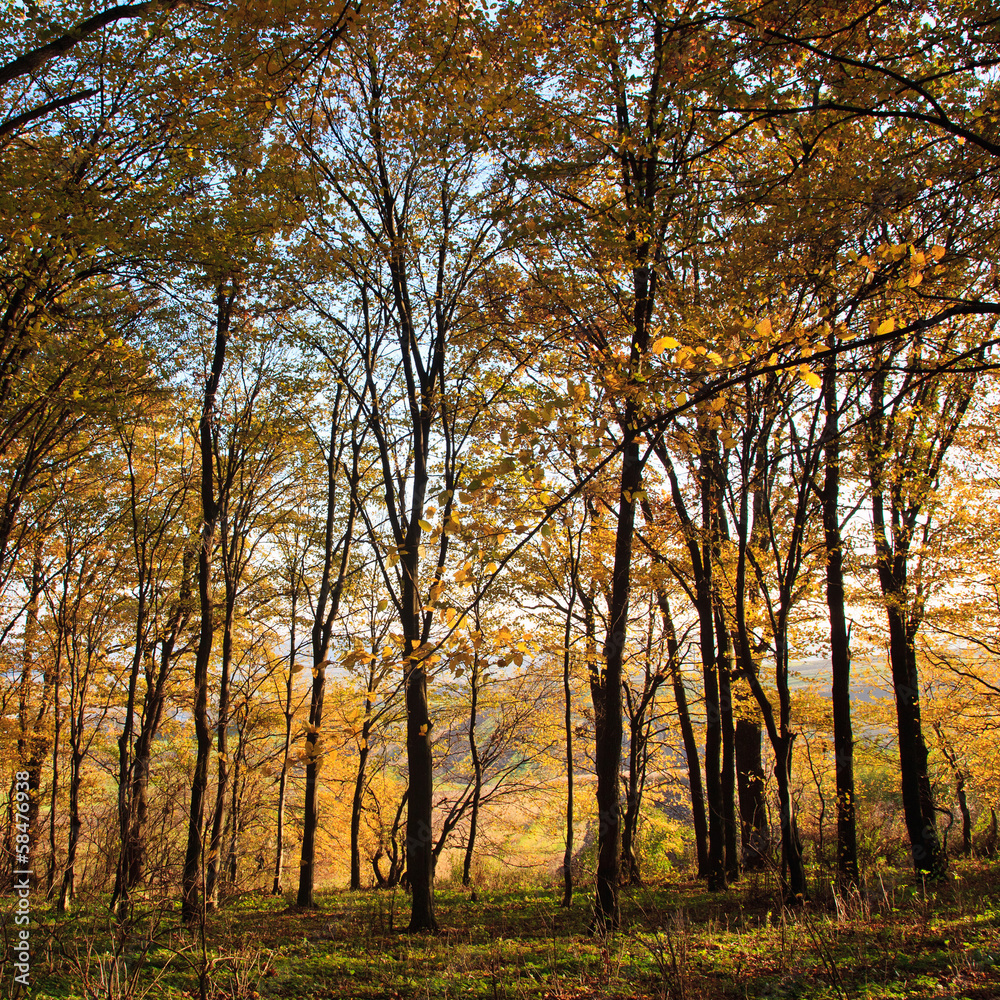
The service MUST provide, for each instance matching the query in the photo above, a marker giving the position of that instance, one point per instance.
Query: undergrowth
(677, 942)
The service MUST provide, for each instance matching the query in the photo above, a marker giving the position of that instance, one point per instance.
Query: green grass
(678, 941)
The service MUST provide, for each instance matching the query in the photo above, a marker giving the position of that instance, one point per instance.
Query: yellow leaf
(886, 326)
(425, 525)
(937, 251)
(810, 378)
(383, 604)
(764, 328)
(665, 343)
(491, 567)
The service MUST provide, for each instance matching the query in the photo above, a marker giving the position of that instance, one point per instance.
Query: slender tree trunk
(50, 871)
(705, 606)
(310, 812)
(397, 861)
(926, 445)
(279, 850)
(778, 732)
(190, 886)
(963, 801)
(640, 714)
(698, 818)
(120, 896)
(567, 897)
(327, 606)
(963, 805)
(756, 833)
(67, 887)
(214, 859)
(840, 651)
(630, 874)
(477, 765)
(235, 822)
(608, 721)
(791, 846)
(134, 849)
(359, 786)
(729, 824)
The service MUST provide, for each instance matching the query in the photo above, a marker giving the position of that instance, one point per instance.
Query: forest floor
(678, 942)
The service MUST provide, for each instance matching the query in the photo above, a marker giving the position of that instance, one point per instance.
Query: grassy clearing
(679, 942)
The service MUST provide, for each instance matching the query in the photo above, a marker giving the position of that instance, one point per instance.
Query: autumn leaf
(665, 344)
(810, 377)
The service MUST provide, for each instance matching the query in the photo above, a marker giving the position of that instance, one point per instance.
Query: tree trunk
(705, 606)
(214, 859)
(713, 770)
(190, 886)
(567, 897)
(931, 423)
(310, 811)
(750, 782)
(279, 850)
(236, 809)
(359, 788)
(791, 846)
(918, 802)
(397, 860)
(698, 818)
(419, 815)
(729, 824)
(50, 871)
(963, 802)
(840, 651)
(630, 874)
(327, 607)
(608, 721)
(66, 889)
(134, 848)
(477, 766)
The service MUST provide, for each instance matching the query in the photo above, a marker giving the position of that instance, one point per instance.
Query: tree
(623, 188)
(342, 460)
(911, 423)
(153, 451)
(372, 658)
(417, 235)
(252, 480)
(294, 541)
(226, 294)
(84, 608)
